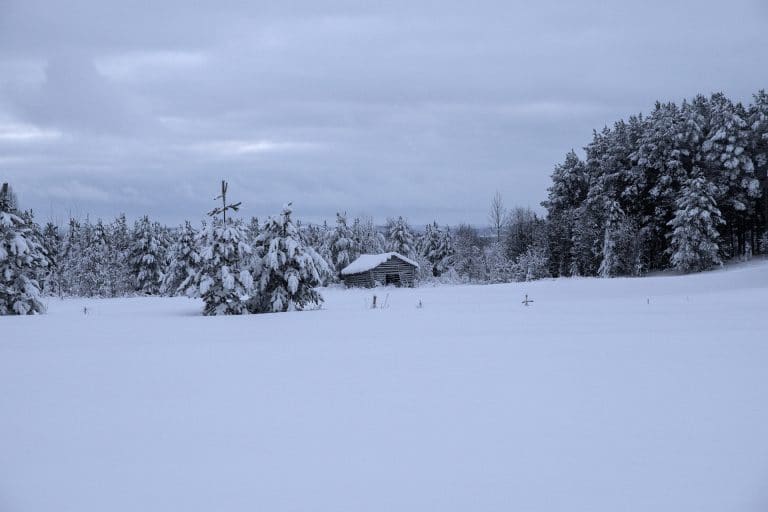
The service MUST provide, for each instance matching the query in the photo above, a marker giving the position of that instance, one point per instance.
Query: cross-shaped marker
(527, 301)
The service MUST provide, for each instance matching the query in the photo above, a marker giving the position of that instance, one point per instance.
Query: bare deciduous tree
(497, 215)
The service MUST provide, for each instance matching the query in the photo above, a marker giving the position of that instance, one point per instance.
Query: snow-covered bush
(532, 264)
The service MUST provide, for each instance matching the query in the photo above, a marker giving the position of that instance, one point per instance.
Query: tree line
(683, 188)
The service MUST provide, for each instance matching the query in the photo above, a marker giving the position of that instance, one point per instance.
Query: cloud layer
(416, 108)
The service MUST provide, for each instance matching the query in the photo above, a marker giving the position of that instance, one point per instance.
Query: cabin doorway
(392, 279)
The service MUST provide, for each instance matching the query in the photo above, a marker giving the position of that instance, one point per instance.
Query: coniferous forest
(683, 187)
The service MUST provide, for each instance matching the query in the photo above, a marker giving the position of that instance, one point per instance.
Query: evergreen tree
(694, 239)
(288, 269)
(146, 258)
(369, 239)
(51, 283)
(343, 246)
(184, 262)
(401, 239)
(120, 238)
(223, 280)
(22, 257)
(95, 267)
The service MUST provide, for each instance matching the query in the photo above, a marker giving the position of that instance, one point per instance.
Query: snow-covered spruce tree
(51, 283)
(610, 266)
(184, 260)
(401, 239)
(96, 268)
(252, 230)
(146, 258)
(288, 269)
(369, 239)
(567, 192)
(71, 250)
(223, 279)
(436, 247)
(22, 257)
(694, 239)
(343, 246)
(120, 237)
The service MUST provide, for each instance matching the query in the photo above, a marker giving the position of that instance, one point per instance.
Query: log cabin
(389, 268)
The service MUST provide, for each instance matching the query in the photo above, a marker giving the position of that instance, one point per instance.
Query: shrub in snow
(223, 279)
(288, 270)
(694, 237)
(22, 257)
(532, 264)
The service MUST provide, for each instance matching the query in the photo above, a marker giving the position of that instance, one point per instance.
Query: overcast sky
(381, 108)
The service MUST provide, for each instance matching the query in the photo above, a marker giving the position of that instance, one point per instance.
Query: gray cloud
(415, 108)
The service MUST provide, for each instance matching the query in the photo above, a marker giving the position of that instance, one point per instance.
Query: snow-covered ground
(604, 395)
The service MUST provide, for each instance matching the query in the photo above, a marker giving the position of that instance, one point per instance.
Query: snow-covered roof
(368, 262)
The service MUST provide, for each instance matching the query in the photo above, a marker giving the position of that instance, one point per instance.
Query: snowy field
(603, 396)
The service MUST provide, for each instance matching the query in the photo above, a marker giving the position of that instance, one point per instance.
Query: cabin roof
(367, 262)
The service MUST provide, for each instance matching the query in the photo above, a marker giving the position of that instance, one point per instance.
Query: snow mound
(368, 262)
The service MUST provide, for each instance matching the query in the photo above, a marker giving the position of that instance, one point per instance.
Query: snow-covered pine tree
(51, 283)
(566, 194)
(369, 239)
(71, 250)
(96, 267)
(610, 266)
(428, 242)
(694, 237)
(436, 247)
(401, 239)
(22, 257)
(252, 230)
(184, 260)
(728, 165)
(288, 269)
(224, 279)
(146, 258)
(343, 246)
(120, 238)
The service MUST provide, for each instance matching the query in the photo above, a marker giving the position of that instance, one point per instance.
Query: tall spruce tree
(224, 279)
(22, 257)
(694, 239)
